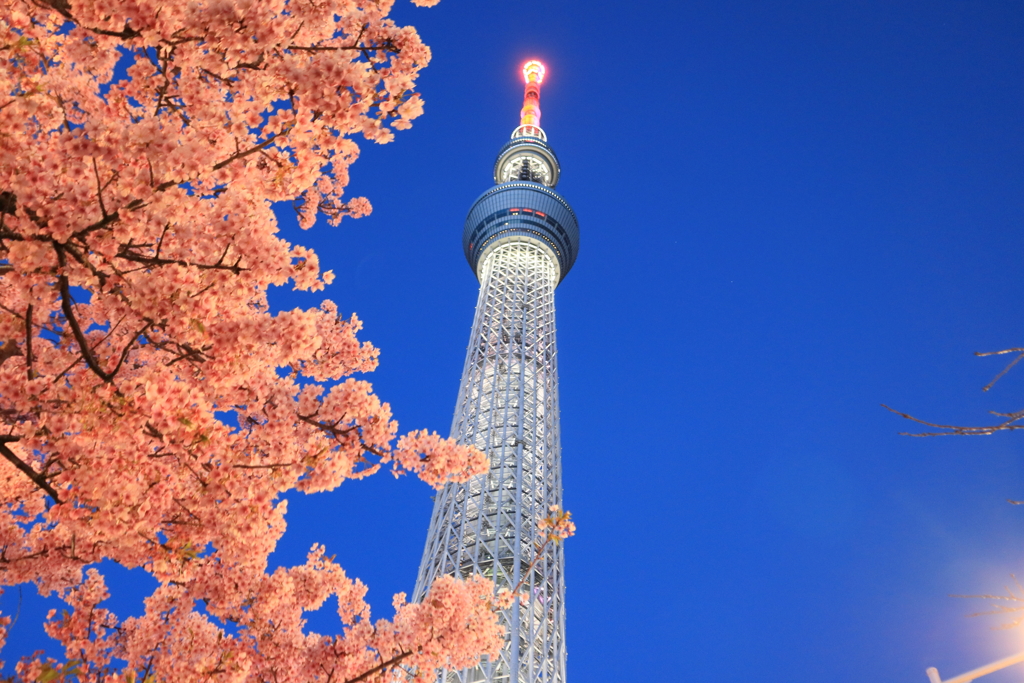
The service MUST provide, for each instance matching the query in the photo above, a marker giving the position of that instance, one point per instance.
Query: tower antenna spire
(529, 117)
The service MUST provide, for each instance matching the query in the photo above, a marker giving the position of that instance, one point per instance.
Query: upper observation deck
(523, 203)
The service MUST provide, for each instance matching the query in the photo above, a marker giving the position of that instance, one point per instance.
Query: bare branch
(982, 354)
(960, 430)
(1006, 369)
(1011, 596)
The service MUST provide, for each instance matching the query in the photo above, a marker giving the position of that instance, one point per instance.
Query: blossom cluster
(154, 409)
(557, 526)
(554, 528)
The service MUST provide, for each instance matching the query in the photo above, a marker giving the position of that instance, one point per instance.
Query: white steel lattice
(508, 407)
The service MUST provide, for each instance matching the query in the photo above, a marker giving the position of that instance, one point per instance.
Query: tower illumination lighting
(521, 239)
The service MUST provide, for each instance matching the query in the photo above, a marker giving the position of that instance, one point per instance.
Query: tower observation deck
(521, 239)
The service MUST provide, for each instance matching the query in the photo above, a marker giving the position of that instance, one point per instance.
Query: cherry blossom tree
(154, 408)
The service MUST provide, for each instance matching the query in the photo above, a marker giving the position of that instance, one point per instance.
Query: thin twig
(982, 354)
(1005, 370)
(959, 430)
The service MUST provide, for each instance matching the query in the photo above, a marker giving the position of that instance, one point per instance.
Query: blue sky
(791, 212)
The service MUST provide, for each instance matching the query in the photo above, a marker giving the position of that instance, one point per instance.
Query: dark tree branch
(128, 347)
(328, 427)
(386, 46)
(8, 203)
(127, 254)
(380, 667)
(272, 466)
(100, 275)
(99, 186)
(8, 349)
(38, 479)
(69, 314)
(29, 357)
(76, 329)
(251, 150)
(62, 7)
(126, 33)
(189, 512)
(251, 65)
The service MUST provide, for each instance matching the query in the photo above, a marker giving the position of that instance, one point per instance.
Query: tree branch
(29, 357)
(380, 667)
(1006, 369)
(386, 46)
(128, 255)
(251, 150)
(272, 466)
(959, 430)
(38, 479)
(69, 315)
(8, 349)
(330, 428)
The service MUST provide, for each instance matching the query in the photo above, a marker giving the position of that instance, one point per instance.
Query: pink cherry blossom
(557, 526)
(143, 146)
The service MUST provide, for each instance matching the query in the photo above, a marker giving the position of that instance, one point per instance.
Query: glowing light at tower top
(533, 71)
(529, 117)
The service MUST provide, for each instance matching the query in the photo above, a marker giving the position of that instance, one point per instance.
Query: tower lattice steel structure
(521, 238)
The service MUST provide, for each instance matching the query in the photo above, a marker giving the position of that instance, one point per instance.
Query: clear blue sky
(791, 212)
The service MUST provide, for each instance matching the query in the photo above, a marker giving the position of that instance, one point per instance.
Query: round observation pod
(527, 158)
(520, 209)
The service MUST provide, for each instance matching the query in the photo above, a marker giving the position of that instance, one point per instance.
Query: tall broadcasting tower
(521, 239)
